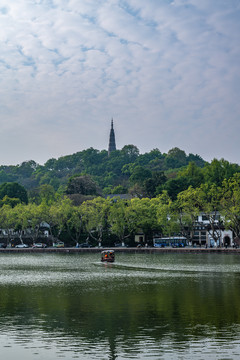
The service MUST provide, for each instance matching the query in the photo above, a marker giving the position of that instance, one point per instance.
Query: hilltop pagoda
(112, 143)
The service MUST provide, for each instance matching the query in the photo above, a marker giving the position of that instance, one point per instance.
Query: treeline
(121, 171)
(108, 220)
(157, 193)
(124, 171)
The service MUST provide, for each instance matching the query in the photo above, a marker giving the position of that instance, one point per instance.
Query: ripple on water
(155, 307)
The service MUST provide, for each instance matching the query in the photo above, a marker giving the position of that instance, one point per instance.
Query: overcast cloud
(167, 71)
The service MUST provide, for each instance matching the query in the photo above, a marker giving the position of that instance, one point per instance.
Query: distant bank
(148, 250)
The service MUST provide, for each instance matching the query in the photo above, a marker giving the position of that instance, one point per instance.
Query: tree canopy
(14, 191)
(92, 172)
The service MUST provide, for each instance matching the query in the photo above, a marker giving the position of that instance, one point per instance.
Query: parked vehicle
(39, 245)
(21, 246)
(174, 241)
(159, 242)
(178, 245)
(58, 244)
(3, 246)
(83, 245)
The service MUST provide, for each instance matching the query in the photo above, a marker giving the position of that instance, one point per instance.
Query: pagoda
(112, 143)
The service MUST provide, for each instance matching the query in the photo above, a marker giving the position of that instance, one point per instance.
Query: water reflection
(154, 306)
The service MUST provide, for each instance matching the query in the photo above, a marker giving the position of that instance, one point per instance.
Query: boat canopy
(108, 255)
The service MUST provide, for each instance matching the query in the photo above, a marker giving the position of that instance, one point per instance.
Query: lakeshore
(147, 250)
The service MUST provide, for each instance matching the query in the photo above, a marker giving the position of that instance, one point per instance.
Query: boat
(108, 255)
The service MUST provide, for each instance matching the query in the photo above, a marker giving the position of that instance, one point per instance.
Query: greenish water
(155, 306)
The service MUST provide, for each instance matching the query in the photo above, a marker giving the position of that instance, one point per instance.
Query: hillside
(125, 170)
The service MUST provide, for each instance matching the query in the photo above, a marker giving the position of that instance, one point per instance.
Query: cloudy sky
(166, 71)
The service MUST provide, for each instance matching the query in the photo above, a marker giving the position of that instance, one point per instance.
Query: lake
(143, 306)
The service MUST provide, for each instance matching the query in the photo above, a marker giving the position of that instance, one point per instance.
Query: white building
(211, 233)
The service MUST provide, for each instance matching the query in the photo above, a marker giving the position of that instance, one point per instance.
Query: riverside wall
(148, 250)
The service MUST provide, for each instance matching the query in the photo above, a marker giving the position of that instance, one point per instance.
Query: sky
(166, 71)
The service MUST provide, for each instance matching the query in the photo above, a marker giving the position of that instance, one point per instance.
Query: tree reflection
(123, 313)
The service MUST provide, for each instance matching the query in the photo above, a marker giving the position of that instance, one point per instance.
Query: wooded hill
(93, 172)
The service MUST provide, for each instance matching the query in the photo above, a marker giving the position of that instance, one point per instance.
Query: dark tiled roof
(121, 196)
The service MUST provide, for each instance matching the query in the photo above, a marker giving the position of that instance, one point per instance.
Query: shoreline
(148, 250)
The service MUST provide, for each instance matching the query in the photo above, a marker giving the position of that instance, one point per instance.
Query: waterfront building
(207, 231)
(204, 228)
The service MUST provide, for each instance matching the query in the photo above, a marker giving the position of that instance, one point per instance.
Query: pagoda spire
(112, 143)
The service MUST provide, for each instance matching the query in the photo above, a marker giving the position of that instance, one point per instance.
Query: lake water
(154, 306)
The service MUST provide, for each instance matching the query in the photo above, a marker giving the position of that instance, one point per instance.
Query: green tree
(230, 204)
(196, 159)
(27, 168)
(175, 158)
(219, 170)
(138, 179)
(59, 214)
(209, 197)
(142, 215)
(83, 184)
(175, 186)
(50, 164)
(75, 224)
(21, 219)
(154, 185)
(7, 221)
(188, 207)
(130, 152)
(166, 215)
(150, 159)
(42, 193)
(139, 175)
(9, 201)
(119, 219)
(5, 176)
(193, 174)
(120, 189)
(95, 216)
(13, 190)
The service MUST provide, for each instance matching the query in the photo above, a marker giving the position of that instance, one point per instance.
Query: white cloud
(167, 71)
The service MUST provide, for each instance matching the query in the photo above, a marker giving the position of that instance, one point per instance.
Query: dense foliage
(126, 168)
(156, 193)
(12, 191)
(105, 221)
